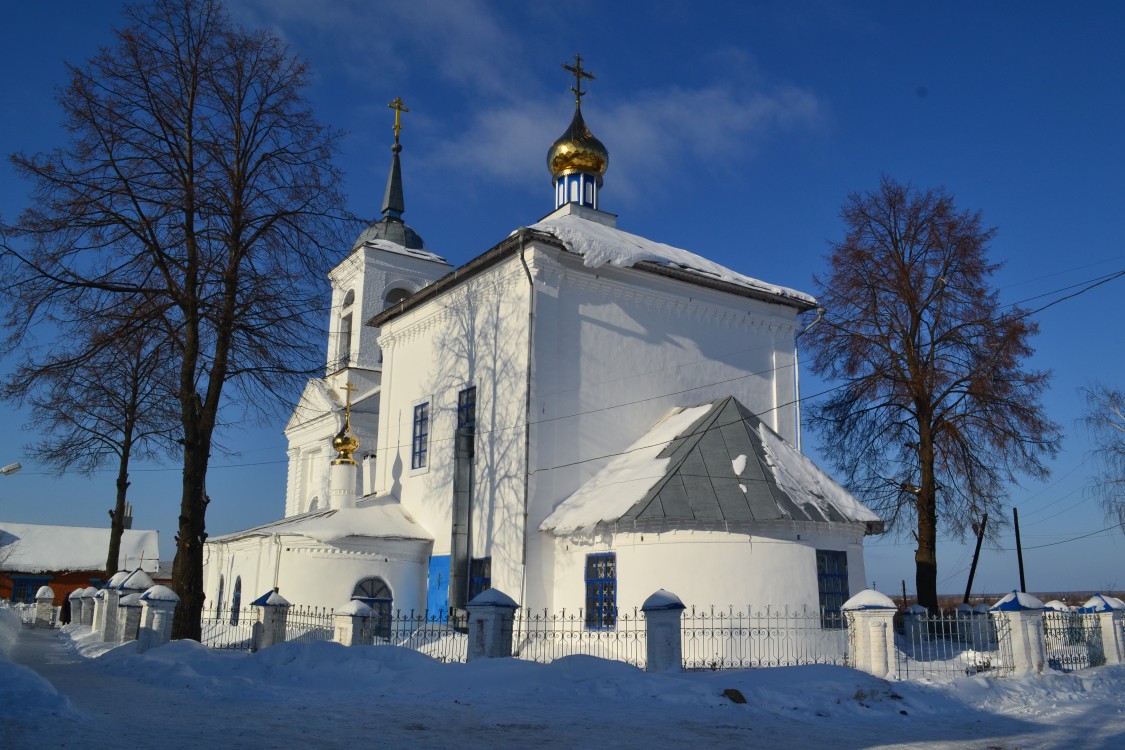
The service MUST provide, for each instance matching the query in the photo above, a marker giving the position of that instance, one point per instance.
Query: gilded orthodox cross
(348, 390)
(399, 108)
(579, 74)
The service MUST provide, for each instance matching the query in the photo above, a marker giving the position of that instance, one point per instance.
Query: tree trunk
(925, 556)
(117, 524)
(187, 568)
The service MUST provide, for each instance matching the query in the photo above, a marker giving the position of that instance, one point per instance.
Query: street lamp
(11, 469)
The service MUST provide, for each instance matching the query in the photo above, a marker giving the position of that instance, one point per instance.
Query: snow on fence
(770, 637)
(542, 636)
(951, 644)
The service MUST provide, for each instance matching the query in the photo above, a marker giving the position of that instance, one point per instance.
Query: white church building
(578, 417)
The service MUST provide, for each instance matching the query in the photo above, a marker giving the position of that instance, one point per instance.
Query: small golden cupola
(346, 443)
(577, 160)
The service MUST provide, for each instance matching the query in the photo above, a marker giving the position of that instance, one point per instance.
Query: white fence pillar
(870, 618)
(87, 617)
(490, 625)
(354, 624)
(128, 618)
(158, 605)
(1019, 619)
(1113, 637)
(75, 601)
(273, 613)
(663, 645)
(44, 607)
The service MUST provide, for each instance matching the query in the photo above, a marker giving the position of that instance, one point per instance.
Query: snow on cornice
(601, 245)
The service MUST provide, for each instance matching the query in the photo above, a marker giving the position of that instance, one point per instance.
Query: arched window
(375, 593)
(395, 296)
(349, 298)
(236, 601)
(313, 504)
(219, 598)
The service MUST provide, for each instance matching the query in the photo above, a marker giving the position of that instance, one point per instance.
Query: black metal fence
(228, 628)
(1073, 640)
(952, 644)
(542, 636)
(719, 638)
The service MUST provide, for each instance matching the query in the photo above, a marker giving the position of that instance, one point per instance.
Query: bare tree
(936, 415)
(1105, 419)
(197, 185)
(113, 401)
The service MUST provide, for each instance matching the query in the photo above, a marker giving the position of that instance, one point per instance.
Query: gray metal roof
(702, 484)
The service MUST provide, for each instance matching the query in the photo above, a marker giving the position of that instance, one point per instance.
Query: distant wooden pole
(904, 593)
(1019, 548)
(976, 556)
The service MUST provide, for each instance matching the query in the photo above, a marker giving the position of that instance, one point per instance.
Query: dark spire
(393, 205)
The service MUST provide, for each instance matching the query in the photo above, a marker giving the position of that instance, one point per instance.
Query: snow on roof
(38, 548)
(160, 593)
(627, 478)
(392, 247)
(795, 473)
(662, 600)
(599, 244)
(1016, 601)
(386, 520)
(1101, 603)
(711, 463)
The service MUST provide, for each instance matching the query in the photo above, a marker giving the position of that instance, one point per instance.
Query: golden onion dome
(577, 151)
(345, 444)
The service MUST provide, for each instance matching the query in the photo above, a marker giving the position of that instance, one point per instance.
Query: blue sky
(735, 130)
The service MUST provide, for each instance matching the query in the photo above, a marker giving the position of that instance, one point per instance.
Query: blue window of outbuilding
(24, 588)
(601, 591)
(420, 444)
(832, 584)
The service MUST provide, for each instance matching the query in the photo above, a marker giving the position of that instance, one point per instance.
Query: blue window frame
(467, 408)
(24, 588)
(480, 576)
(832, 583)
(420, 444)
(601, 591)
(375, 593)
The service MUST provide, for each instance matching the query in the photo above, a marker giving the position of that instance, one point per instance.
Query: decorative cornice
(454, 303)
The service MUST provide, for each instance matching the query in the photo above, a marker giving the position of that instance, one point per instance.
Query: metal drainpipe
(797, 372)
(277, 562)
(522, 232)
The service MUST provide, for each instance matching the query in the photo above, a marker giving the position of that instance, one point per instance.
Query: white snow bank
(802, 480)
(599, 245)
(625, 480)
(9, 629)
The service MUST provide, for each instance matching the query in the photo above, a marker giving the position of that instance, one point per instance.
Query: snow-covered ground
(62, 690)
